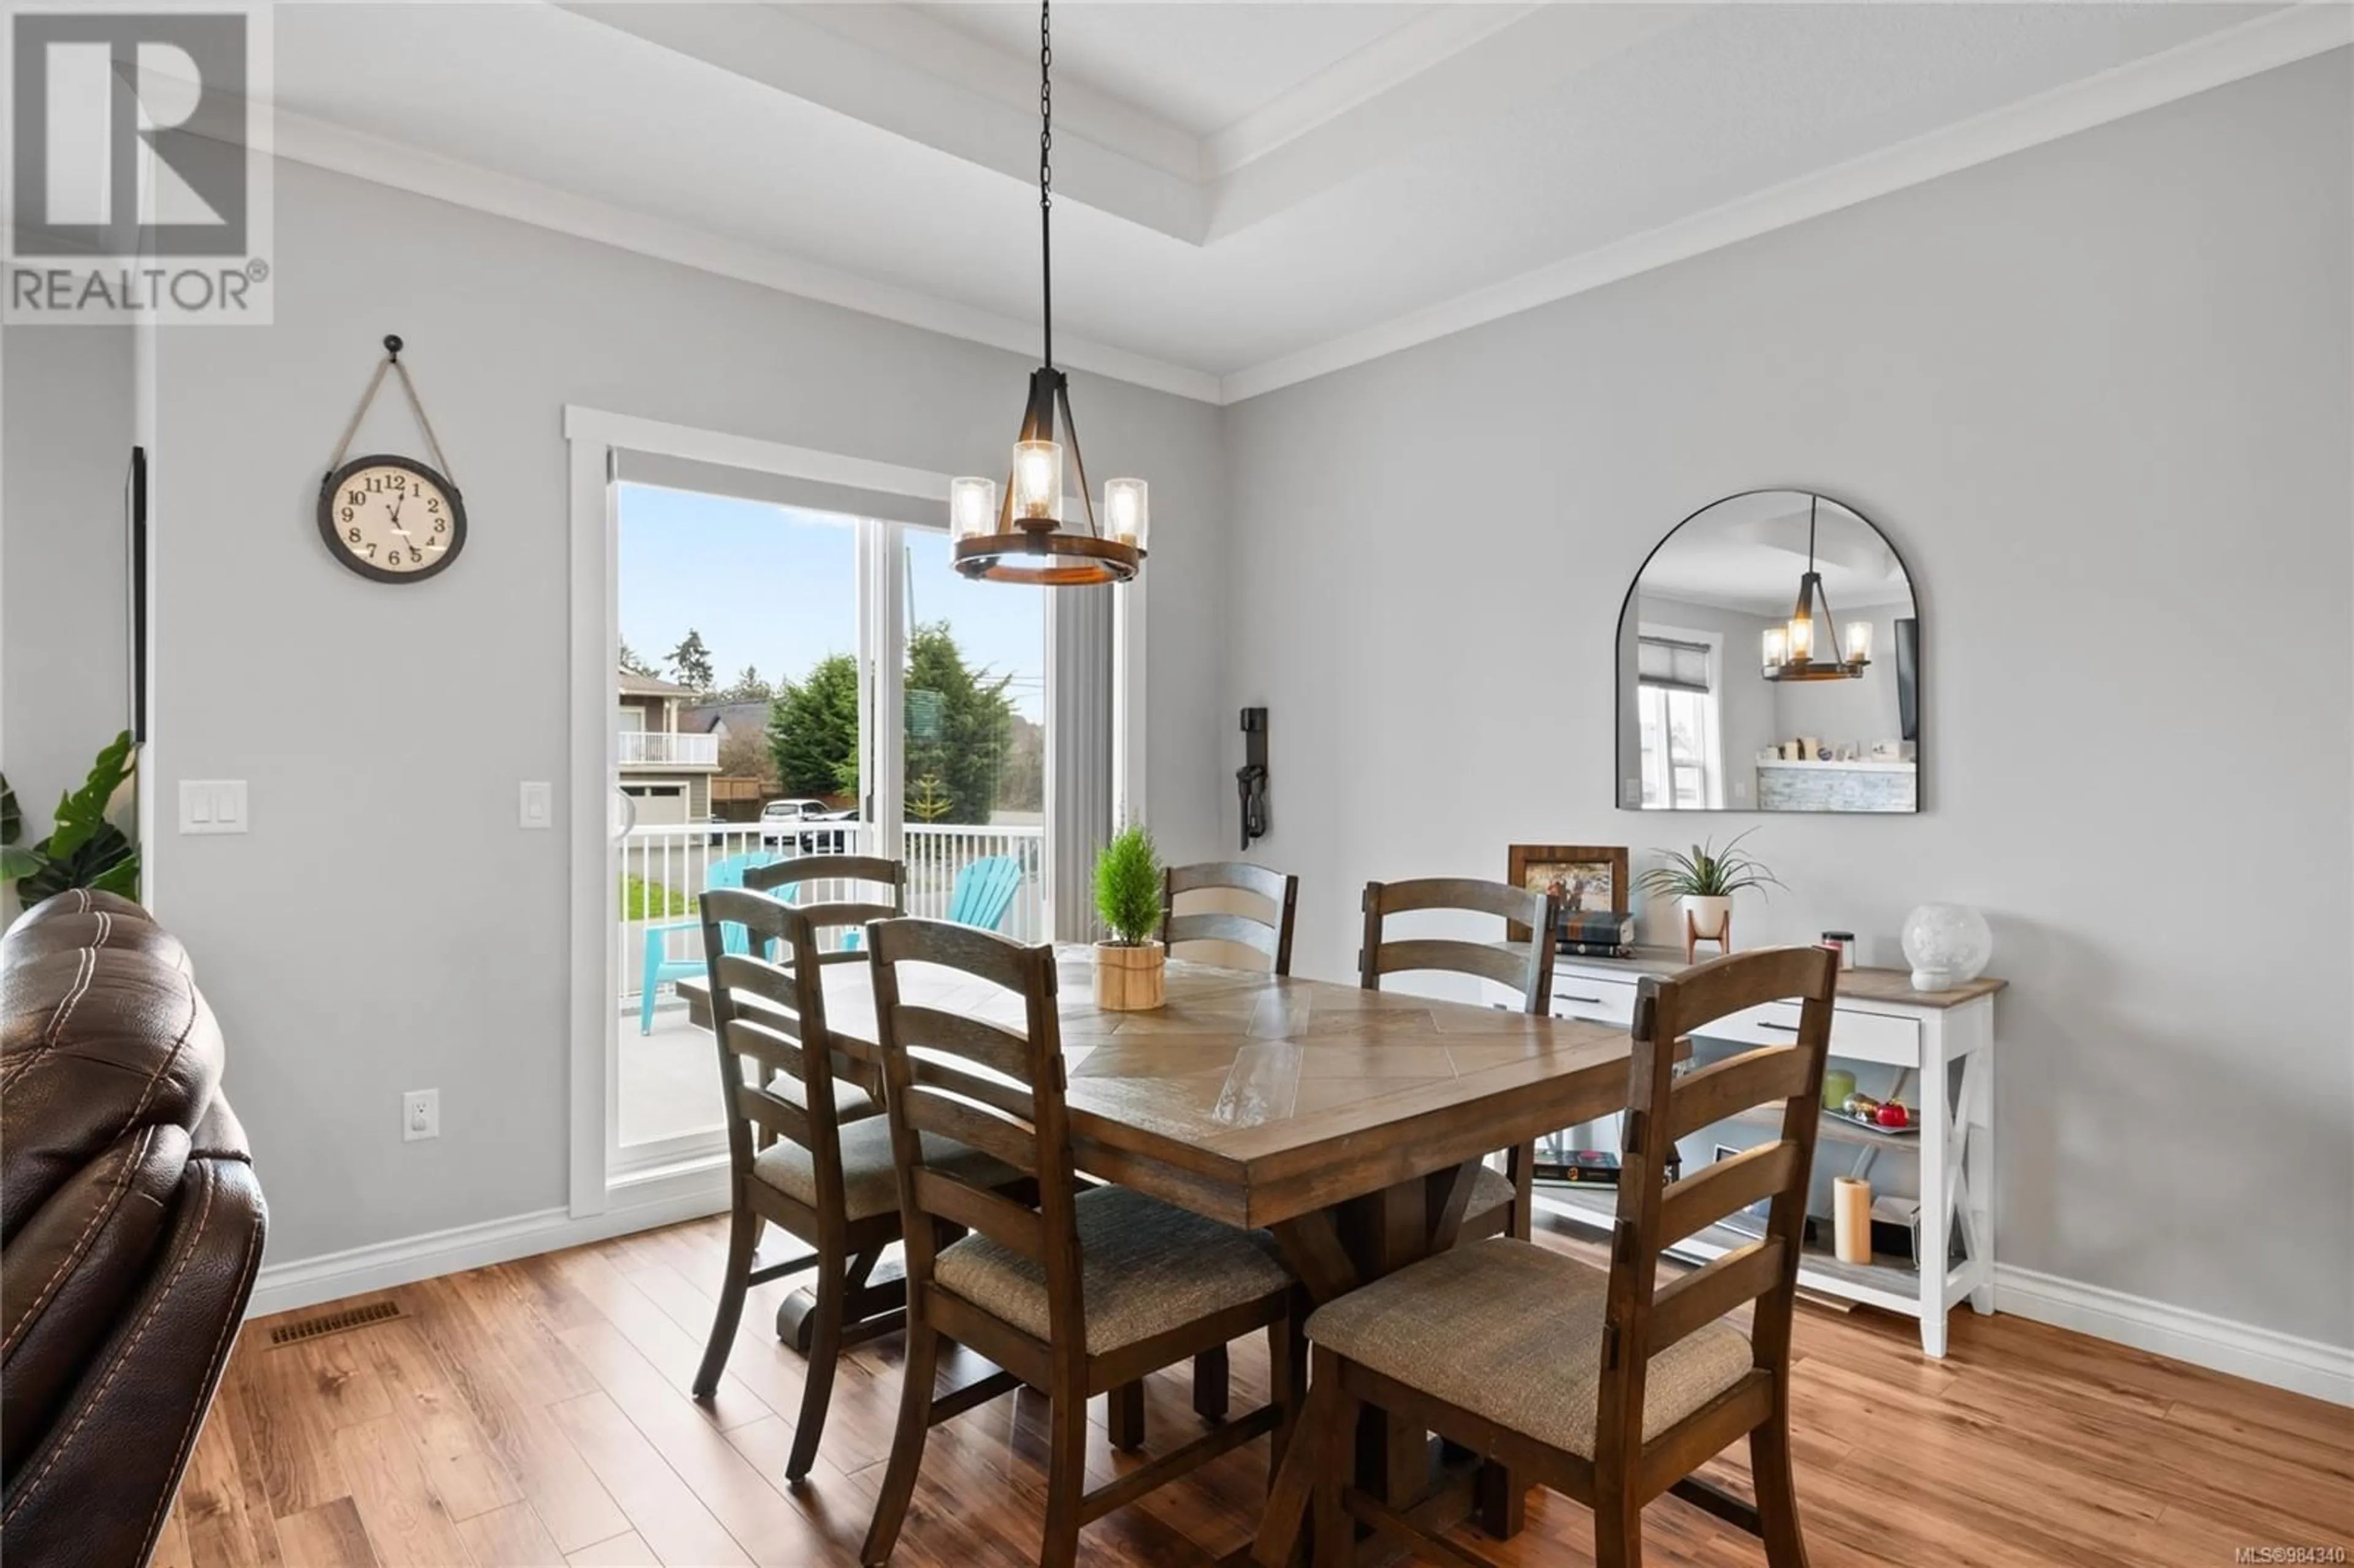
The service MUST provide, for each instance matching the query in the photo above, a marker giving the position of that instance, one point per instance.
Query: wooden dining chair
(1503, 1203)
(1088, 1291)
(845, 891)
(805, 1152)
(1614, 1387)
(1271, 936)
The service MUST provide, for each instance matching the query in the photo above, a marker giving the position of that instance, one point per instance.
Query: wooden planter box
(1129, 980)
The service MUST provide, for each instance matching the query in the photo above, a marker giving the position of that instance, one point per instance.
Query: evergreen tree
(813, 729)
(632, 663)
(748, 688)
(967, 723)
(691, 663)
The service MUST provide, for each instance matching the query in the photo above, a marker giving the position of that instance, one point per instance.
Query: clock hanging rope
(390, 518)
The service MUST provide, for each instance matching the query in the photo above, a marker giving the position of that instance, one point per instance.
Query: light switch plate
(538, 804)
(212, 806)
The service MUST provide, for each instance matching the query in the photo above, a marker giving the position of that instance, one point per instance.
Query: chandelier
(1020, 537)
(1790, 648)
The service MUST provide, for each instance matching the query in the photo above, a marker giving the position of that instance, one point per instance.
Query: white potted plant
(1129, 966)
(1704, 883)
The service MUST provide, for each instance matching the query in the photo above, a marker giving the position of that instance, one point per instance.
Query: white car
(793, 822)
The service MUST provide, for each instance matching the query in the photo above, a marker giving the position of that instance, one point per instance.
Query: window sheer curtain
(1079, 780)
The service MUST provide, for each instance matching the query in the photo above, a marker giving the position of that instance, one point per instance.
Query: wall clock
(391, 519)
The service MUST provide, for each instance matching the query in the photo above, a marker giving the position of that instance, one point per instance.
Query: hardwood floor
(535, 1414)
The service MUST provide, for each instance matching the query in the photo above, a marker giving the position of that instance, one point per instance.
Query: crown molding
(2275, 40)
(2268, 42)
(304, 140)
(1381, 66)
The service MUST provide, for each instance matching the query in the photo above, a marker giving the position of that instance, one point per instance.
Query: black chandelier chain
(1046, 175)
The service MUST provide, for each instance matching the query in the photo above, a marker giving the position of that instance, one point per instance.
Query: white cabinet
(1943, 1042)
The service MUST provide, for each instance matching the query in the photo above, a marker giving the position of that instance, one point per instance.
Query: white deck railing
(640, 747)
(663, 868)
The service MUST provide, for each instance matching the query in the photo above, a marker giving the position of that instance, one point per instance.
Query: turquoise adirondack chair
(984, 891)
(661, 967)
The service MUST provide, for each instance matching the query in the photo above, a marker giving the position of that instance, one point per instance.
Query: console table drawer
(1861, 1036)
(1592, 997)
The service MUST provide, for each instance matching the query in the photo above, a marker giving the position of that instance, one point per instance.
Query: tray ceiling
(1247, 194)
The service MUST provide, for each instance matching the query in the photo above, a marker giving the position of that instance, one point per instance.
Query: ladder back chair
(790, 880)
(1212, 1377)
(1086, 1292)
(1611, 1388)
(1504, 1203)
(1272, 938)
(806, 1151)
(822, 888)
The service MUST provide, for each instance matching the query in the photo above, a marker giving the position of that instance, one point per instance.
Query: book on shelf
(1571, 950)
(1615, 926)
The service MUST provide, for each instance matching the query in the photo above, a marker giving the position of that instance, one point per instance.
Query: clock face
(391, 518)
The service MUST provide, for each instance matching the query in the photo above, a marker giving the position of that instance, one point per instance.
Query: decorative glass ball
(1947, 944)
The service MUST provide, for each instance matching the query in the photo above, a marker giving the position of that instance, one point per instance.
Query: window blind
(1677, 666)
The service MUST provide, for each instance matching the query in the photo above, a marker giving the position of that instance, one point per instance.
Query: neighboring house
(736, 796)
(666, 767)
(722, 720)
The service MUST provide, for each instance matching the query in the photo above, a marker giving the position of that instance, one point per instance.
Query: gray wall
(2099, 395)
(367, 718)
(66, 401)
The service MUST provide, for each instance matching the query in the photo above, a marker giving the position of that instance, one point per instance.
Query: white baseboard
(2265, 1355)
(307, 1282)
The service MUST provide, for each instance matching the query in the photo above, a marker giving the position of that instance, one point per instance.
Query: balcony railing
(662, 869)
(640, 747)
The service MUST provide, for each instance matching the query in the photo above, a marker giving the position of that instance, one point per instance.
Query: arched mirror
(1769, 660)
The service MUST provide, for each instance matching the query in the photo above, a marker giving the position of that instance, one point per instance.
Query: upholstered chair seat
(850, 1102)
(1512, 1333)
(1146, 1268)
(1490, 1189)
(869, 1183)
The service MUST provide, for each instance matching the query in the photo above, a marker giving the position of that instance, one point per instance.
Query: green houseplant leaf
(15, 860)
(83, 849)
(1707, 872)
(81, 813)
(1127, 885)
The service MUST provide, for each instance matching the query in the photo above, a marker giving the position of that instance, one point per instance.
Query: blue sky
(777, 588)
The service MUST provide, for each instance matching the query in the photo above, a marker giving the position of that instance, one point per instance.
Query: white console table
(1945, 1040)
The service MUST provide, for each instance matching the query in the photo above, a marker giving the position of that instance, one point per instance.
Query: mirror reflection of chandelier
(1790, 648)
(1021, 536)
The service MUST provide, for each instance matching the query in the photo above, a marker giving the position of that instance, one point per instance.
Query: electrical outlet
(1634, 791)
(420, 1114)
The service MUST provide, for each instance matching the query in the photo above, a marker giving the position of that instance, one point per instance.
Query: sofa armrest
(94, 1494)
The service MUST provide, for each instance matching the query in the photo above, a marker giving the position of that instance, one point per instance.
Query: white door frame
(595, 437)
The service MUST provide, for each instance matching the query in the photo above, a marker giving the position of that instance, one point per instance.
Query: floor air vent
(334, 1322)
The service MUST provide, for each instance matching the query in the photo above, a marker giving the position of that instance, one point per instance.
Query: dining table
(1348, 1123)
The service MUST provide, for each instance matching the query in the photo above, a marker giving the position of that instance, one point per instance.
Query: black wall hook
(1250, 778)
(392, 345)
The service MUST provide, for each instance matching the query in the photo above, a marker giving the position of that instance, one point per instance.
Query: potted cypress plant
(1130, 964)
(1705, 880)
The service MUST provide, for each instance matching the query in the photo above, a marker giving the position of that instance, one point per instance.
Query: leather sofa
(130, 1227)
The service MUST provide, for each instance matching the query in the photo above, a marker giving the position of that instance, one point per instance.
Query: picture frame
(1583, 870)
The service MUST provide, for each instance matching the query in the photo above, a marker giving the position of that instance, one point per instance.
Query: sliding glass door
(759, 646)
